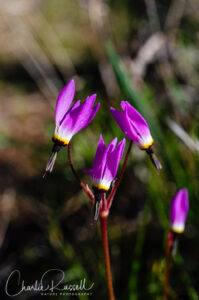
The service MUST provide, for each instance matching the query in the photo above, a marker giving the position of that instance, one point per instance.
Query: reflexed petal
(67, 123)
(124, 123)
(74, 106)
(65, 130)
(81, 125)
(179, 210)
(137, 121)
(64, 101)
(111, 146)
(133, 113)
(78, 118)
(83, 114)
(113, 160)
(99, 162)
(93, 112)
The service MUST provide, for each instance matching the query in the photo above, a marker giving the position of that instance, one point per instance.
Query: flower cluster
(71, 118)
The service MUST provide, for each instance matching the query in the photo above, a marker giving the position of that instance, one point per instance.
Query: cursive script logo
(45, 285)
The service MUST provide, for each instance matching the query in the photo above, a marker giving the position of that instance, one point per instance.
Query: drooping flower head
(178, 211)
(135, 128)
(70, 119)
(104, 168)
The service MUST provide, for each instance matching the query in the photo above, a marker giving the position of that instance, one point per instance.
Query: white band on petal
(146, 142)
(178, 227)
(101, 184)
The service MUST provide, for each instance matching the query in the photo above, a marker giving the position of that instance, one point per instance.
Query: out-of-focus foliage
(145, 52)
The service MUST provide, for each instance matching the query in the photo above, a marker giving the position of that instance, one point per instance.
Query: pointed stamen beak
(98, 198)
(154, 159)
(52, 159)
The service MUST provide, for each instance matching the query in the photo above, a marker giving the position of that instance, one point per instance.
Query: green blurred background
(145, 52)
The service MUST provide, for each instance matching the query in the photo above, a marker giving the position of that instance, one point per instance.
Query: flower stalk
(98, 196)
(178, 214)
(84, 187)
(169, 246)
(103, 221)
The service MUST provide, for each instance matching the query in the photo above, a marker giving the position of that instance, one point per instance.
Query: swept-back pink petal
(69, 122)
(74, 106)
(136, 120)
(68, 125)
(99, 162)
(123, 121)
(88, 120)
(64, 101)
(82, 115)
(133, 113)
(93, 112)
(113, 160)
(78, 117)
(64, 131)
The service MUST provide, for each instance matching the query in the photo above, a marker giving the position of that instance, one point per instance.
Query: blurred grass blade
(136, 264)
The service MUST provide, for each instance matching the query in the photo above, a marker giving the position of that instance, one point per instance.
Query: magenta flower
(106, 163)
(105, 167)
(133, 125)
(178, 211)
(70, 119)
(136, 129)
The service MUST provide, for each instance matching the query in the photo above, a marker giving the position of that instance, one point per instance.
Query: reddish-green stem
(103, 221)
(169, 245)
(112, 193)
(104, 202)
(88, 192)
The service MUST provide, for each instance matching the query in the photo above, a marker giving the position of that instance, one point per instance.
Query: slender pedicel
(84, 187)
(103, 221)
(169, 246)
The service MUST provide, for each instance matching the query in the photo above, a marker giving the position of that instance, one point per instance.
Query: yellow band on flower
(63, 142)
(101, 187)
(177, 230)
(147, 146)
